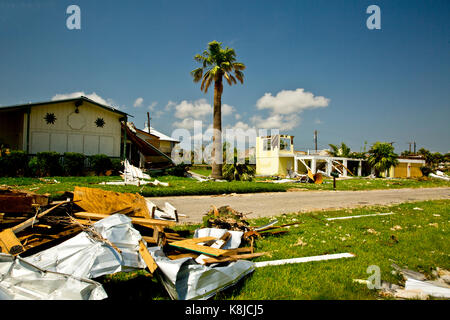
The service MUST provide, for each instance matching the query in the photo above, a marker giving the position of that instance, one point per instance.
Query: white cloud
(152, 106)
(276, 121)
(237, 116)
(198, 109)
(291, 101)
(227, 110)
(138, 102)
(92, 96)
(186, 123)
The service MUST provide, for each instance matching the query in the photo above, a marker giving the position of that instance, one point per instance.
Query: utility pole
(315, 139)
(414, 147)
(410, 143)
(148, 121)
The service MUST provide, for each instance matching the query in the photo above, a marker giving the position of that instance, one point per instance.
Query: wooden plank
(30, 221)
(21, 201)
(149, 261)
(136, 220)
(9, 242)
(43, 239)
(233, 257)
(218, 244)
(104, 202)
(192, 245)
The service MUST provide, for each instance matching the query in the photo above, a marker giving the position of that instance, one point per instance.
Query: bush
(49, 164)
(33, 167)
(179, 170)
(73, 163)
(426, 170)
(117, 166)
(100, 163)
(238, 172)
(14, 163)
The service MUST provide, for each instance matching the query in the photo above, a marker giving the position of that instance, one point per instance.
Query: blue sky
(391, 84)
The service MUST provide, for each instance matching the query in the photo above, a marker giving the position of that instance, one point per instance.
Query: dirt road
(275, 203)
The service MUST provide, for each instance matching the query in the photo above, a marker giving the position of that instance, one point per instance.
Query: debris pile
(63, 246)
(416, 285)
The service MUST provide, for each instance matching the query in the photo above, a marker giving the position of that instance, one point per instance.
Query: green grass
(369, 184)
(179, 186)
(422, 246)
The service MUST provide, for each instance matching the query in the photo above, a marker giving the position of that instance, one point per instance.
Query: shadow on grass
(133, 286)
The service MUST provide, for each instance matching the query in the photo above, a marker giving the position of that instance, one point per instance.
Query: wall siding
(75, 132)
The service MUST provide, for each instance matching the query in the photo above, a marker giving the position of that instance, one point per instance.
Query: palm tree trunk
(217, 161)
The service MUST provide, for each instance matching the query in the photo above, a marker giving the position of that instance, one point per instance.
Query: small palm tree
(382, 156)
(339, 151)
(217, 63)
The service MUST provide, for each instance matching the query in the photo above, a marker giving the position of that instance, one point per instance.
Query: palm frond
(197, 74)
(239, 75)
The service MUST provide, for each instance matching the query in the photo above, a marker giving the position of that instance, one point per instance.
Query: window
(266, 144)
(285, 144)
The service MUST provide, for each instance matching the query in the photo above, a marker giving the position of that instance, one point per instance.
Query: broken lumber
(32, 220)
(191, 244)
(148, 259)
(9, 242)
(104, 202)
(20, 201)
(233, 257)
(135, 220)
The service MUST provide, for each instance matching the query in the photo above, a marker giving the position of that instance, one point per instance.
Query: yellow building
(274, 155)
(406, 168)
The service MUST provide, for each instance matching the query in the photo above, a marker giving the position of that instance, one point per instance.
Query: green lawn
(186, 186)
(178, 186)
(423, 244)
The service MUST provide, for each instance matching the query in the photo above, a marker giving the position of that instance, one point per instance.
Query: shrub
(117, 166)
(49, 163)
(179, 170)
(33, 167)
(73, 163)
(238, 172)
(426, 170)
(100, 163)
(14, 163)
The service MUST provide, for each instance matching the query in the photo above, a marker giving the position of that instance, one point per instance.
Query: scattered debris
(134, 176)
(416, 286)
(304, 259)
(364, 215)
(225, 217)
(21, 280)
(439, 175)
(417, 208)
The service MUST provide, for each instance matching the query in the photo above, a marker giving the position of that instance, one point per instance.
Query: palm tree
(382, 156)
(342, 151)
(217, 63)
(237, 171)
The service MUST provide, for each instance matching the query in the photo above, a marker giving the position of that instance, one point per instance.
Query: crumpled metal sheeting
(85, 257)
(184, 279)
(233, 243)
(21, 280)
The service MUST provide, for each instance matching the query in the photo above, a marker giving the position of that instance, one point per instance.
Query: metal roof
(82, 98)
